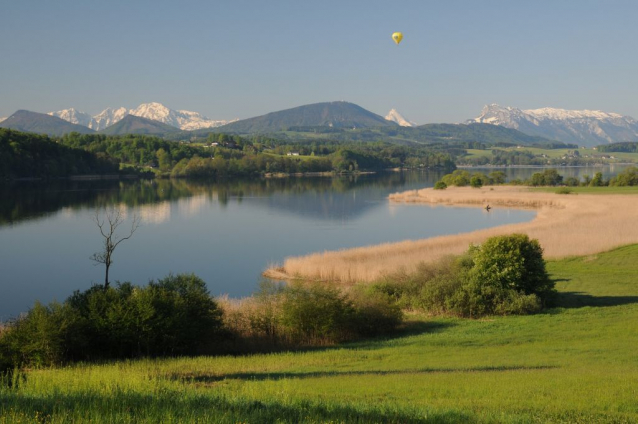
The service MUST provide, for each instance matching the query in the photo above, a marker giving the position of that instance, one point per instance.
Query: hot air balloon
(397, 37)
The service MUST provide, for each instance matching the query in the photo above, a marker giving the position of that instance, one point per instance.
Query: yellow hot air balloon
(397, 37)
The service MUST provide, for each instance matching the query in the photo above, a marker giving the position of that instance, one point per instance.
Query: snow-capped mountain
(182, 119)
(395, 116)
(583, 127)
(108, 117)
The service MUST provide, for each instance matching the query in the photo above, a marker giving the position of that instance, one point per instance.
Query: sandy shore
(565, 225)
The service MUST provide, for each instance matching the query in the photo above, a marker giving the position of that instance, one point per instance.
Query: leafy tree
(597, 181)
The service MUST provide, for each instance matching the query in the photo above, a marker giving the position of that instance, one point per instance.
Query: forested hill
(329, 115)
(482, 133)
(28, 155)
(450, 134)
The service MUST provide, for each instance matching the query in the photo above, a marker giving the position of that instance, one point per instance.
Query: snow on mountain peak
(73, 116)
(584, 127)
(395, 116)
(182, 119)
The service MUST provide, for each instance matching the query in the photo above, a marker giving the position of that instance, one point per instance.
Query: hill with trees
(26, 155)
(329, 115)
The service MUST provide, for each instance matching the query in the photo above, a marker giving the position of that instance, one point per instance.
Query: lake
(226, 233)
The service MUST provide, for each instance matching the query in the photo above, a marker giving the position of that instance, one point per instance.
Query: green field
(577, 363)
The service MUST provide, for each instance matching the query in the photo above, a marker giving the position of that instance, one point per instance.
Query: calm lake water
(227, 233)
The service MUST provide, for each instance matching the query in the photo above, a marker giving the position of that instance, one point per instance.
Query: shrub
(440, 185)
(505, 275)
(476, 181)
(572, 182)
(549, 177)
(512, 262)
(497, 177)
(36, 339)
(374, 312)
(316, 314)
(564, 190)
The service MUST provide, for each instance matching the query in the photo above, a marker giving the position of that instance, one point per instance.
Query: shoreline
(565, 225)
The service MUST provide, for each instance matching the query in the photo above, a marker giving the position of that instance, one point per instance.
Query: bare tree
(108, 225)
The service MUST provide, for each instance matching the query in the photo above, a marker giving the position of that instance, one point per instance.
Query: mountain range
(182, 119)
(583, 127)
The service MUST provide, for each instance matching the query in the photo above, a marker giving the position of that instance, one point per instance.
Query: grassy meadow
(575, 363)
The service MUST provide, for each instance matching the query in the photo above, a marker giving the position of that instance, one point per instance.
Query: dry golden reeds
(565, 226)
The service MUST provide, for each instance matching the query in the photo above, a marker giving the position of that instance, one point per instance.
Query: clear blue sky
(237, 58)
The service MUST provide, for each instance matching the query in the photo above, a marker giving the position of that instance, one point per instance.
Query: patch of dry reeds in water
(565, 225)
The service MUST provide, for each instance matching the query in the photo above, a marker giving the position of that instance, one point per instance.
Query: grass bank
(566, 225)
(576, 363)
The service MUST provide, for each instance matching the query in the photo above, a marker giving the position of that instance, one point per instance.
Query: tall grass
(564, 225)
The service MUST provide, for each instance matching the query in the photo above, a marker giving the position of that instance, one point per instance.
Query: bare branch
(111, 240)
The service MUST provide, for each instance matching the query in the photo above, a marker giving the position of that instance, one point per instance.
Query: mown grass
(576, 363)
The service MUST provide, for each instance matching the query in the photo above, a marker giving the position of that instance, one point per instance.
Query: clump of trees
(27, 155)
(505, 275)
(549, 177)
(171, 316)
(462, 178)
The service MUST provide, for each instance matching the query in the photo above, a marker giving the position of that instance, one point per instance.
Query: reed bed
(565, 225)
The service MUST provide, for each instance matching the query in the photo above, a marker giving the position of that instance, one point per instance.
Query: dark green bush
(312, 314)
(476, 181)
(512, 262)
(374, 312)
(572, 182)
(440, 185)
(174, 315)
